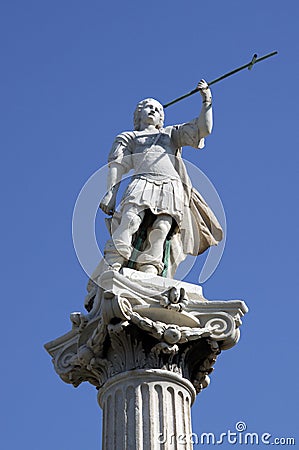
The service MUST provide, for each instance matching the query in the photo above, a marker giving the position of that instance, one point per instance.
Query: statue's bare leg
(120, 247)
(151, 259)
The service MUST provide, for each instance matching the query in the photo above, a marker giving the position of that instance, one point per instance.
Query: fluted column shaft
(147, 410)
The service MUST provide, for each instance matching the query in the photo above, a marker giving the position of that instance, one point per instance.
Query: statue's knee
(132, 221)
(163, 224)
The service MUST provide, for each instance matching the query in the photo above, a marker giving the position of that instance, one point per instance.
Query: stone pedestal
(149, 345)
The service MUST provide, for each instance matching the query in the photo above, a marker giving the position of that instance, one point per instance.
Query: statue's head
(141, 105)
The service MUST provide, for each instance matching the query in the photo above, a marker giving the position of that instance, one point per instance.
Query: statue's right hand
(204, 90)
(108, 203)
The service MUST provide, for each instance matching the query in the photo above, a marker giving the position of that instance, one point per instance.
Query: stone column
(146, 409)
(149, 345)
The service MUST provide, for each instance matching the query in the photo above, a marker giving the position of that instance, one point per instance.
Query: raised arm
(193, 133)
(205, 119)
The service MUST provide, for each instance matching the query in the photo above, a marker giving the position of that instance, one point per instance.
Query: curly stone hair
(139, 107)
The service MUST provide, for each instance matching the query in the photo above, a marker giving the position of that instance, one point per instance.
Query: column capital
(142, 322)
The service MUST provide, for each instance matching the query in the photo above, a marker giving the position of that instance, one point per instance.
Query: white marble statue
(160, 207)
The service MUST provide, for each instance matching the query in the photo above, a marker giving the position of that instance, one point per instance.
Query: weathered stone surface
(161, 217)
(146, 409)
(148, 344)
(146, 327)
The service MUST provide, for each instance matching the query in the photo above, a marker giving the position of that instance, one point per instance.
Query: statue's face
(150, 114)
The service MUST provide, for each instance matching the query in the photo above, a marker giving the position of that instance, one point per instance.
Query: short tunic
(156, 183)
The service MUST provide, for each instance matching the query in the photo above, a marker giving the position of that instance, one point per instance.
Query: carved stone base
(146, 409)
(148, 344)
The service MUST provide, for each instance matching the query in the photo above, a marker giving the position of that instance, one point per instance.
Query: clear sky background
(71, 75)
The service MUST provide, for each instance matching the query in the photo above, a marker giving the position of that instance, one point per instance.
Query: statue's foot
(148, 268)
(150, 263)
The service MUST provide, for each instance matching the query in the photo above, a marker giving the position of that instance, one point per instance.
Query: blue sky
(71, 75)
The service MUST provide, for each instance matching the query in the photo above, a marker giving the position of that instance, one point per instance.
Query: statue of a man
(160, 207)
